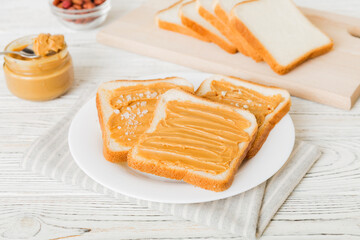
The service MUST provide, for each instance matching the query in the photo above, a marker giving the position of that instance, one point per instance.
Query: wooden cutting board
(332, 79)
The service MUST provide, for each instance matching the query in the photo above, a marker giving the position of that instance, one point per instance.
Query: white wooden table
(326, 204)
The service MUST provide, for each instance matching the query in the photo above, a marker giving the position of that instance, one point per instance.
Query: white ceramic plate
(86, 147)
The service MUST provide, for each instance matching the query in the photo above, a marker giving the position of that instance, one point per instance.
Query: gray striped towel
(245, 215)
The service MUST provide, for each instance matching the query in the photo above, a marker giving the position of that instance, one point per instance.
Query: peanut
(56, 2)
(79, 21)
(88, 5)
(77, 6)
(98, 2)
(78, 2)
(66, 4)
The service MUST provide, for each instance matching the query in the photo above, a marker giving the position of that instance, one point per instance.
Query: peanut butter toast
(268, 104)
(125, 110)
(195, 140)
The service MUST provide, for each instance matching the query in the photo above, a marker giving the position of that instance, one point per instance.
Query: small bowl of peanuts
(80, 14)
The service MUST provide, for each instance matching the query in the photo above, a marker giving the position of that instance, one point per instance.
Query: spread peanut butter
(248, 99)
(41, 78)
(134, 107)
(196, 137)
(46, 44)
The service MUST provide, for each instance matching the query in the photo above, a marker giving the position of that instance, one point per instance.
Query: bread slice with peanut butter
(268, 104)
(125, 110)
(195, 140)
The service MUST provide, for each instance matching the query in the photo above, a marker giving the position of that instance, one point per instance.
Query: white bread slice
(279, 32)
(169, 19)
(270, 120)
(222, 9)
(206, 10)
(113, 151)
(210, 181)
(191, 18)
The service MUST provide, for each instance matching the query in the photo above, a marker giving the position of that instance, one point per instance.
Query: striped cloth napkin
(246, 215)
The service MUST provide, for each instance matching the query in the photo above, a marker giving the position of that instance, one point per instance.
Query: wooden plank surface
(325, 206)
(332, 79)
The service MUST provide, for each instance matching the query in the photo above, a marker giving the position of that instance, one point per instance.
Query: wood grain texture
(316, 79)
(325, 206)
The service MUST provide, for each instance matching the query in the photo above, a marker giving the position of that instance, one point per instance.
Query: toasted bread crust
(180, 29)
(264, 53)
(242, 80)
(239, 41)
(177, 28)
(251, 52)
(160, 169)
(224, 29)
(265, 129)
(198, 180)
(206, 33)
(220, 13)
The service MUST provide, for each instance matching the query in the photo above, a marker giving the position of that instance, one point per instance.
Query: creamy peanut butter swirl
(45, 44)
(196, 137)
(133, 110)
(257, 103)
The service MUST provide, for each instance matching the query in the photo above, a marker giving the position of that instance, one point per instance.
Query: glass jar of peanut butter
(40, 79)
